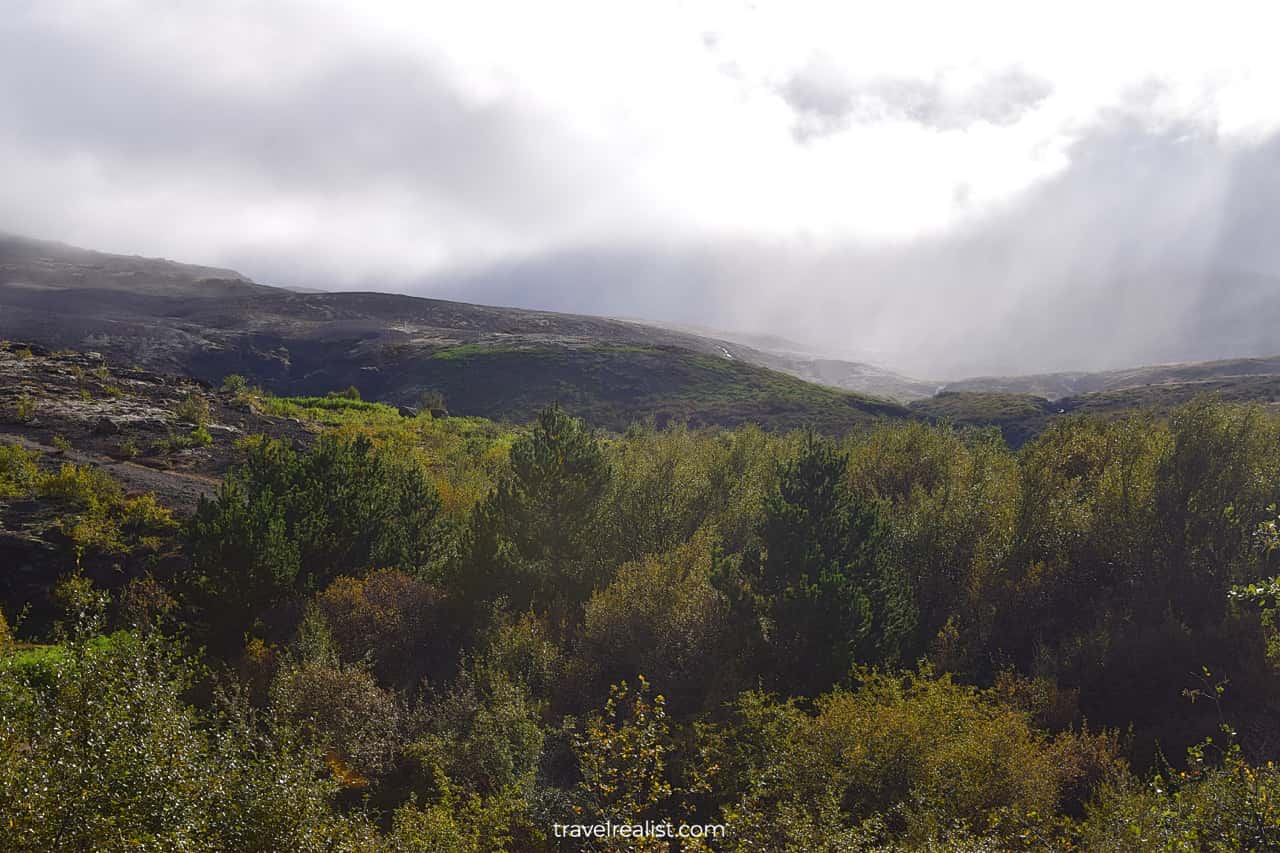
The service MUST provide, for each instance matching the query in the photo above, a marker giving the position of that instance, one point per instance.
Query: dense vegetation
(441, 634)
(613, 385)
(1018, 416)
(1021, 416)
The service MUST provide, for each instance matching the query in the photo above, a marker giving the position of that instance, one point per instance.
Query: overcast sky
(947, 188)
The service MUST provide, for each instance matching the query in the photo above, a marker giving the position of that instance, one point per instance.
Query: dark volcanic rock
(106, 426)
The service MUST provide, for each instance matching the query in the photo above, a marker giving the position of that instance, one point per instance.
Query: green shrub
(1227, 806)
(98, 751)
(234, 383)
(193, 409)
(24, 409)
(18, 472)
(622, 758)
(917, 754)
(350, 393)
(97, 514)
(84, 486)
(662, 617)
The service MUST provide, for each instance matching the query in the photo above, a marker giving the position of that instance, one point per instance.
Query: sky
(943, 188)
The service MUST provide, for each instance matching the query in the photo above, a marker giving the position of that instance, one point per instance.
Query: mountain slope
(1056, 385)
(507, 363)
(1021, 417)
(794, 358)
(497, 362)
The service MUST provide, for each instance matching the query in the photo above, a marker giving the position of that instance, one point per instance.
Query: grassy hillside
(1018, 416)
(1021, 417)
(1073, 384)
(613, 386)
(1164, 397)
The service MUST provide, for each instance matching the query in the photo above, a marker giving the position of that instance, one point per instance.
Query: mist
(980, 193)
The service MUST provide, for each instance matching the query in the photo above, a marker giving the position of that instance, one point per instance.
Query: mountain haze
(507, 363)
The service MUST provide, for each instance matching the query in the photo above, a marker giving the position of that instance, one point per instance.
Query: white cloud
(347, 143)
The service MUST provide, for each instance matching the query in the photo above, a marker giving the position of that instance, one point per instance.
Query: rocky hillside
(153, 432)
(505, 364)
(497, 362)
(98, 436)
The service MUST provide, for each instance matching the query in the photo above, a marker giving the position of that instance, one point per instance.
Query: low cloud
(938, 192)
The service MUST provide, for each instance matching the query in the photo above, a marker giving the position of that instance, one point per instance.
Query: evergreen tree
(533, 537)
(816, 586)
(286, 523)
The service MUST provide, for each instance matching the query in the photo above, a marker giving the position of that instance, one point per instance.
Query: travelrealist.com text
(647, 829)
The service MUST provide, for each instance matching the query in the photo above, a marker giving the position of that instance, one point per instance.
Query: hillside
(1018, 416)
(1055, 385)
(792, 357)
(1021, 417)
(497, 362)
(507, 363)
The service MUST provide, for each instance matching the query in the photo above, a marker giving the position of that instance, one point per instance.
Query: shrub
(483, 734)
(200, 437)
(18, 472)
(99, 752)
(145, 605)
(343, 709)
(917, 753)
(622, 757)
(390, 619)
(661, 616)
(84, 486)
(350, 393)
(234, 383)
(193, 409)
(457, 822)
(1230, 806)
(97, 513)
(24, 410)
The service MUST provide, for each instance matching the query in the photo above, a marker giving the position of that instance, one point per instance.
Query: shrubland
(424, 633)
